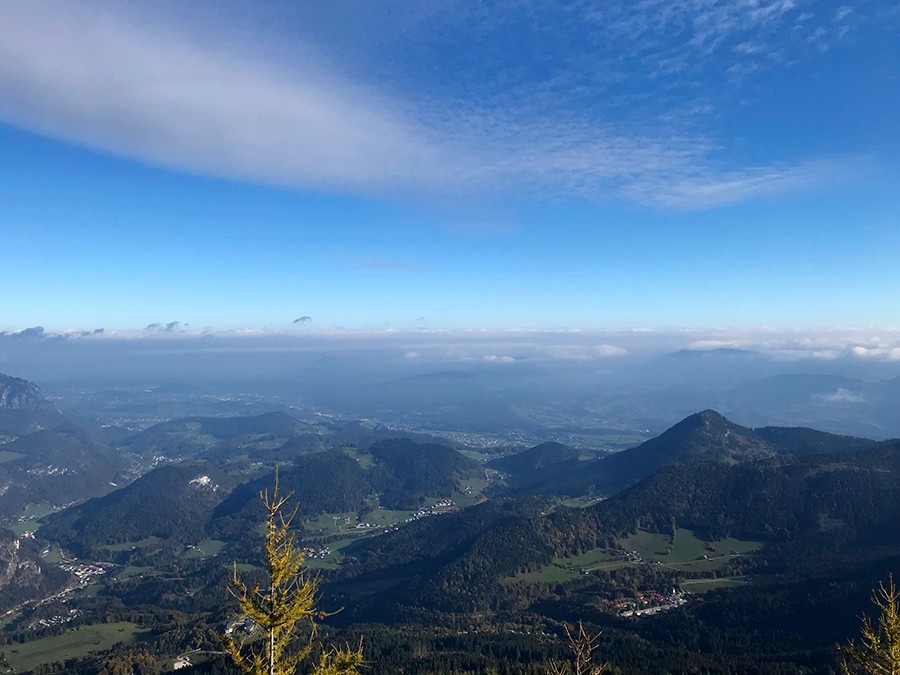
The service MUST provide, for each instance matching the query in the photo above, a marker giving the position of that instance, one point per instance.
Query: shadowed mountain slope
(172, 502)
(405, 471)
(400, 471)
(840, 507)
(191, 436)
(536, 458)
(705, 436)
(329, 481)
(58, 466)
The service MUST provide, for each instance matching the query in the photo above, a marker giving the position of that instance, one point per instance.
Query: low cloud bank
(104, 353)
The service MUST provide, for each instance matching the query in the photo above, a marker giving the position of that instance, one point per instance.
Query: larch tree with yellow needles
(879, 649)
(289, 597)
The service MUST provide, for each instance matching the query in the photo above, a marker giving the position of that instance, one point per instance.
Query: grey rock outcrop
(23, 407)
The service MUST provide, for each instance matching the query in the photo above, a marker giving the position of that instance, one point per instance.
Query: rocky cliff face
(23, 408)
(9, 558)
(19, 394)
(23, 576)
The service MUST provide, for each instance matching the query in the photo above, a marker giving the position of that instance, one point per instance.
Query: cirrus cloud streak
(119, 83)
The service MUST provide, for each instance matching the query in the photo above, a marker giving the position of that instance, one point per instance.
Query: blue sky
(444, 165)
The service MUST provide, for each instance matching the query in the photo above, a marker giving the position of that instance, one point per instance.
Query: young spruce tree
(879, 651)
(289, 596)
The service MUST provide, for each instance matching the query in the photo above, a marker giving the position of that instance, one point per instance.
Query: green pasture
(685, 552)
(132, 571)
(337, 523)
(363, 458)
(31, 517)
(385, 517)
(77, 642)
(732, 545)
(89, 591)
(551, 574)
(469, 491)
(331, 523)
(563, 569)
(331, 561)
(53, 556)
(580, 502)
(648, 545)
(477, 455)
(206, 548)
(7, 456)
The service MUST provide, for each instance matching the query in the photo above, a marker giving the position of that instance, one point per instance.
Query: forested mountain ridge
(173, 502)
(47, 458)
(508, 566)
(799, 506)
(406, 471)
(400, 471)
(57, 467)
(804, 441)
(704, 436)
(191, 436)
(536, 458)
(329, 481)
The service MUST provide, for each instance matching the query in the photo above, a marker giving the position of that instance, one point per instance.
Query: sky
(293, 167)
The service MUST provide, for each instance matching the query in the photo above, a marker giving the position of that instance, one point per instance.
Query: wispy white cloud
(879, 353)
(493, 358)
(731, 187)
(87, 76)
(116, 82)
(842, 395)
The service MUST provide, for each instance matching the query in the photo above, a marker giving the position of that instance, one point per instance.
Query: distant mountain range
(707, 436)
(401, 472)
(818, 509)
(194, 499)
(827, 514)
(789, 527)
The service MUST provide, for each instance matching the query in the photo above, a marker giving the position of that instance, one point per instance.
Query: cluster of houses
(55, 620)
(649, 602)
(241, 626)
(316, 551)
(443, 506)
(84, 571)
